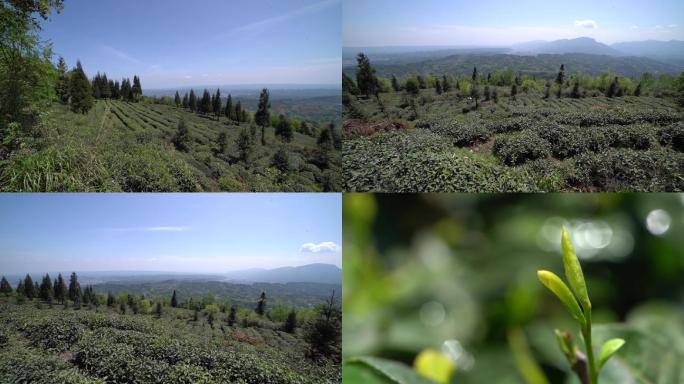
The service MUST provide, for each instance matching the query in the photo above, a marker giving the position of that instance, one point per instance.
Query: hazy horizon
(174, 43)
(167, 233)
(500, 23)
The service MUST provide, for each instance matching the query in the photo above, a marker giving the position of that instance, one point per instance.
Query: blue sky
(197, 232)
(172, 43)
(490, 22)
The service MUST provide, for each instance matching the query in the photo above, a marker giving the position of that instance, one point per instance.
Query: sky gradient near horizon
(196, 232)
(500, 22)
(174, 43)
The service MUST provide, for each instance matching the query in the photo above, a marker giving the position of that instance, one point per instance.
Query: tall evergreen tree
(110, 299)
(136, 90)
(487, 94)
(232, 315)
(216, 107)
(474, 75)
(446, 87)
(547, 91)
(177, 99)
(80, 90)
(284, 129)
(244, 144)
(291, 322)
(395, 84)
(475, 94)
(575, 94)
(438, 87)
(238, 112)
(106, 91)
(348, 85)
(74, 288)
(5, 287)
(261, 305)
(174, 300)
(262, 116)
(181, 138)
(365, 76)
(637, 91)
(46, 289)
(229, 108)
(205, 104)
(29, 287)
(158, 310)
(323, 333)
(193, 101)
(613, 88)
(186, 101)
(514, 90)
(60, 289)
(560, 78)
(20, 289)
(62, 85)
(116, 90)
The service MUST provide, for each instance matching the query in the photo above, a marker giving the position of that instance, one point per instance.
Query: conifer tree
(475, 94)
(136, 90)
(325, 139)
(80, 90)
(365, 76)
(489, 77)
(637, 91)
(495, 95)
(560, 78)
(110, 299)
(5, 287)
(97, 93)
(261, 305)
(229, 108)
(291, 322)
(205, 104)
(445, 84)
(174, 300)
(244, 144)
(222, 142)
(613, 88)
(514, 90)
(60, 289)
(474, 75)
(158, 310)
(243, 115)
(323, 333)
(186, 101)
(217, 104)
(487, 95)
(284, 129)
(193, 101)
(348, 85)
(395, 84)
(74, 288)
(105, 91)
(231, 315)
(62, 85)
(238, 112)
(116, 90)
(180, 139)
(575, 90)
(29, 287)
(20, 289)
(438, 87)
(262, 116)
(177, 100)
(547, 91)
(46, 289)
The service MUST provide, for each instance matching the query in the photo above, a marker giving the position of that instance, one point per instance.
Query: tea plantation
(50, 344)
(430, 141)
(133, 147)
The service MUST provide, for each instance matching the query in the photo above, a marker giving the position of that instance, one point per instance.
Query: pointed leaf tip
(573, 270)
(608, 349)
(558, 287)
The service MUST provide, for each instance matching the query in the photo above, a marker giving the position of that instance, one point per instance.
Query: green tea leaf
(573, 271)
(382, 371)
(608, 349)
(558, 287)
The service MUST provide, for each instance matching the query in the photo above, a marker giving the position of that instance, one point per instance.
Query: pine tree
(244, 144)
(489, 77)
(613, 88)
(475, 93)
(60, 289)
(231, 315)
(186, 101)
(136, 90)
(116, 90)
(348, 85)
(514, 91)
(29, 287)
(395, 84)
(180, 139)
(193, 101)
(5, 287)
(323, 333)
(21, 291)
(325, 139)
(291, 322)
(74, 289)
(62, 85)
(495, 95)
(365, 76)
(177, 100)
(261, 305)
(46, 289)
(547, 91)
(217, 104)
(560, 78)
(96, 86)
(229, 108)
(106, 92)
(575, 90)
(474, 75)
(487, 94)
(222, 142)
(110, 299)
(637, 91)
(262, 116)
(284, 129)
(438, 87)
(445, 84)
(238, 112)
(158, 310)
(205, 104)
(80, 90)
(174, 300)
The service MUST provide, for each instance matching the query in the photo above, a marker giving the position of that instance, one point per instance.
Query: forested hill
(303, 295)
(542, 65)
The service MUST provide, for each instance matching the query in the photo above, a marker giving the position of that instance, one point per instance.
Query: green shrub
(519, 148)
(673, 135)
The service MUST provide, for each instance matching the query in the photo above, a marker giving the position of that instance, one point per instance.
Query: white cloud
(326, 246)
(634, 27)
(672, 26)
(166, 229)
(586, 24)
(263, 25)
(121, 55)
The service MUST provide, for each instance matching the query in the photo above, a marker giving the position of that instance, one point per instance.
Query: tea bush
(519, 148)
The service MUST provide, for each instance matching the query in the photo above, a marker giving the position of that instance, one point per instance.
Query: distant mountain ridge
(579, 45)
(310, 273)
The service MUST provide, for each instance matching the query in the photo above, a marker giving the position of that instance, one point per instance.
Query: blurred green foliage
(422, 269)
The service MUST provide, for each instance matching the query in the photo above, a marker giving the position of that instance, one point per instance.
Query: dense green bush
(519, 148)
(673, 135)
